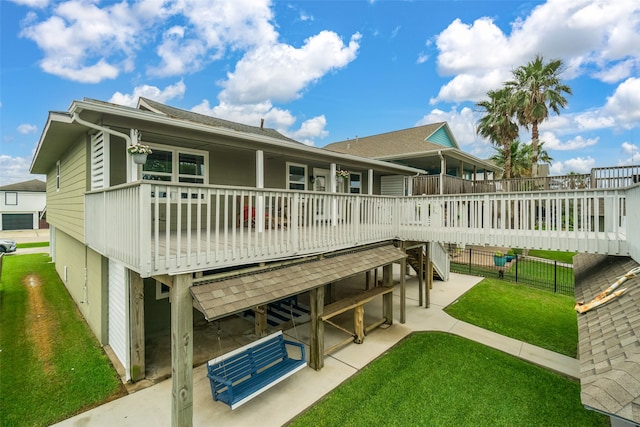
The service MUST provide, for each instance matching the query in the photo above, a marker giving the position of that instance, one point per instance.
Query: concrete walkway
(275, 407)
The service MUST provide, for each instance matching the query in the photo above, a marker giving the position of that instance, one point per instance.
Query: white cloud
(32, 3)
(551, 142)
(280, 72)
(276, 118)
(310, 130)
(152, 92)
(16, 169)
(631, 153)
(578, 165)
(625, 103)
(84, 42)
(422, 58)
(27, 128)
(600, 36)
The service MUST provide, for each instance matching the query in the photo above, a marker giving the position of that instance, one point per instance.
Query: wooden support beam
(387, 299)
(358, 324)
(181, 352)
(428, 276)
(316, 356)
(136, 326)
(260, 314)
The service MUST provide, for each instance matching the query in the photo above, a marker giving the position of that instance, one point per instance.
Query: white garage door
(119, 313)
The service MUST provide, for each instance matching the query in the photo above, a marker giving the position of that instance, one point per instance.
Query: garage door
(17, 221)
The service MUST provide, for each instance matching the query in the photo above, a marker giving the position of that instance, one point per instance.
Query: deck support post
(387, 299)
(316, 353)
(260, 313)
(421, 276)
(181, 352)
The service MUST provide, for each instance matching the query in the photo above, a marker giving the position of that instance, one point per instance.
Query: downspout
(77, 119)
(128, 139)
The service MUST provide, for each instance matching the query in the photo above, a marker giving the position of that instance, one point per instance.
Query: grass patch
(536, 274)
(438, 379)
(52, 365)
(537, 317)
(32, 245)
(566, 257)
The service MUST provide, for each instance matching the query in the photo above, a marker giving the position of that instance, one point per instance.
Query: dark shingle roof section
(219, 299)
(609, 337)
(177, 113)
(34, 186)
(412, 140)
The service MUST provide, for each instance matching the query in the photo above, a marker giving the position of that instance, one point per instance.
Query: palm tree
(520, 158)
(498, 123)
(537, 89)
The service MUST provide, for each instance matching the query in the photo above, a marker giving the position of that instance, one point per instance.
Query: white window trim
(58, 175)
(160, 292)
(175, 156)
(306, 175)
(360, 181)
(9, 200)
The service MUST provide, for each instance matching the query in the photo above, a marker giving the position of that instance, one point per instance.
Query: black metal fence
(538, 273)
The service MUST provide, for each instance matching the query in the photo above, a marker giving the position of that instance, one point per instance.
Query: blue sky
(324, 71)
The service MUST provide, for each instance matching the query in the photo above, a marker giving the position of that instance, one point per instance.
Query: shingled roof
(221, 298)
(177, 113)
(609, 337)
(406, 141)
(33, 186)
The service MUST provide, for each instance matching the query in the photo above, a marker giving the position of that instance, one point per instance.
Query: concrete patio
(151, 406)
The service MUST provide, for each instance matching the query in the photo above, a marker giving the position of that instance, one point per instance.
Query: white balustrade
(161, 228)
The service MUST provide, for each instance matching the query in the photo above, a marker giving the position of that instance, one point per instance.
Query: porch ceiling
(232, 295)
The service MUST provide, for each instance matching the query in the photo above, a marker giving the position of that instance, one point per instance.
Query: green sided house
(432, 148)
(220, 218)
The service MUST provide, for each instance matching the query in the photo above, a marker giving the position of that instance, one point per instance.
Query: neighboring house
(432, 148)
(22, 205)
(609, 339)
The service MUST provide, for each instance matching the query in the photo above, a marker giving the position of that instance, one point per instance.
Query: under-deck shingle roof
(238, 293)
(609, 337)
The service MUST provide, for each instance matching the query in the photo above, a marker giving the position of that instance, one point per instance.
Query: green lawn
(566, 257)
(32, 245)
(536, 274)
(52, 365)
(537, 317)
(436, 379)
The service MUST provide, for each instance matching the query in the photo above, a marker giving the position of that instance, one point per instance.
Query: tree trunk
(534, 149)
(507, 159)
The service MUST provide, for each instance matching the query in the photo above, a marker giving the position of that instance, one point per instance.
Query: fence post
(470, 254)
(555, 276)
(516, 268)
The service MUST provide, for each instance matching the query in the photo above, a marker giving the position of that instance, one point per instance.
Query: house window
(175, 165)
(10, 198)
(297, 176)
(162, 290)
(355, 183)
(58, 175)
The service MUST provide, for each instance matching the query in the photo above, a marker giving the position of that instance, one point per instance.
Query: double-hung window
(297, 176)
(175, 165)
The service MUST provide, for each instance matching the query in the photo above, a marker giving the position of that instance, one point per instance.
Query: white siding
(119, 313)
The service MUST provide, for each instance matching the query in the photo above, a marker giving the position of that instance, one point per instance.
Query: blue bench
(242, 374)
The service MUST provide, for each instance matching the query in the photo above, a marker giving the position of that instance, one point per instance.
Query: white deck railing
(168, 229)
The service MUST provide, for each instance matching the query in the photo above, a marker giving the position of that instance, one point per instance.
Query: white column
(260, 185)
(332, 188)
(370, 182)
(133, 173)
